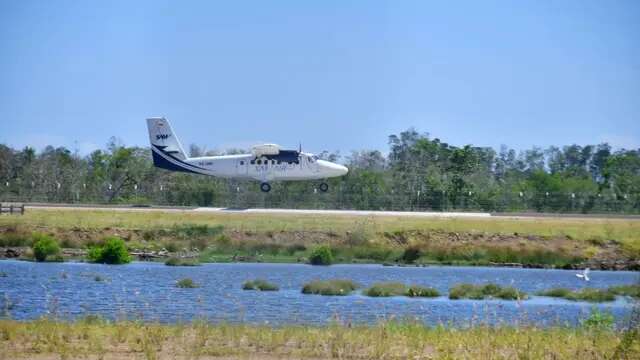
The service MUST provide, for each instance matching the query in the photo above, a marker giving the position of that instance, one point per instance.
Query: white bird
(584, 275)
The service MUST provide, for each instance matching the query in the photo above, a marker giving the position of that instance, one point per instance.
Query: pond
(148, 291)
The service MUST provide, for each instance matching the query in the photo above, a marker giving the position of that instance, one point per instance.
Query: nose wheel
(324, 187)
(265, 187)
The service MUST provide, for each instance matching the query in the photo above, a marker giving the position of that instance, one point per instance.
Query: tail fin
(162, 138)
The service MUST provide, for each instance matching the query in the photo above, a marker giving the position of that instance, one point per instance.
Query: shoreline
(78, 255)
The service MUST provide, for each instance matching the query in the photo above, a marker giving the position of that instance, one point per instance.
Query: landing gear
(265, 187)
(324, 187)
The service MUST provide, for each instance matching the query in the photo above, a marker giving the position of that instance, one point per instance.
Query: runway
(348, 212)
(319, 212)
(220, 210)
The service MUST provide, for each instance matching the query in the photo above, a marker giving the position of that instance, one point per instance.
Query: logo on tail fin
(162, 136)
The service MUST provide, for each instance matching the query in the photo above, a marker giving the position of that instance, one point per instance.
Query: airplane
(266, 163)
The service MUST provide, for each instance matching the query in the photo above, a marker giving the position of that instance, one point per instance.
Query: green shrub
(419, 291)
(626, 290)
(461, 291)
(510, 293)
(555, 292)
(174, 261)
(586, 294)
(171, 246)
(329, 287)
(385, 289)
(114, 251)
(411, 254)
(598, 320)
(223, 242)
(44, 246)
(259, 284)
(14, 239)
(479, 292)
(186, 283)
(373, 252)
(321, 255)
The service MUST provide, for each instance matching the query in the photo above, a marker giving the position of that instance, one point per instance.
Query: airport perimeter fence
(247, 195)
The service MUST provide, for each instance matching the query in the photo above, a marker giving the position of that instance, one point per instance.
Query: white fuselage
(248, 166)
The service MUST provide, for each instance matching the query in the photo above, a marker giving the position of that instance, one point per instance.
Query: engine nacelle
(265, 149)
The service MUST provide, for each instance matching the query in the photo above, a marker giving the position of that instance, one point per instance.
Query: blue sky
(336, 75)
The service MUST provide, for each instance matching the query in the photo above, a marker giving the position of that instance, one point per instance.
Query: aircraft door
(242, 167)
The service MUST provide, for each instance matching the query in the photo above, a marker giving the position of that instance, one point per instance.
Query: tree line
(419, 173)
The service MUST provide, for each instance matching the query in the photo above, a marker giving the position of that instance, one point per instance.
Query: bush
(329, 287)
(598, 320)
(373, 252)
(460, 291)
(259, 284)
(43, 246)
(586, 294)
(479, 292)
(114, 252)
(186, 283)
(321, 255)
(174, 261)
(510, 293)
(419, 291)
(386, 289)
(626, 290)
(411, 254)
(14, 239)
(555, 292)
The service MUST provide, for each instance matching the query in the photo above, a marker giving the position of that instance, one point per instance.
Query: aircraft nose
(336, 169)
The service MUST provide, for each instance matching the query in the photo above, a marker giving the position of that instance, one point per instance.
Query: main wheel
(265, 187)
(324, 187)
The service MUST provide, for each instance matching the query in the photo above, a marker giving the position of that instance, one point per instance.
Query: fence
(306, 196)
(12, 208)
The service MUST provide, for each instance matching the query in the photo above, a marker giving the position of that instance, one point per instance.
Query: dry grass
(622, 230)
(97, 339)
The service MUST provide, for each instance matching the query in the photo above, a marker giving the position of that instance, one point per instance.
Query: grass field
(96, 339)
(623, 230)
(224, 237)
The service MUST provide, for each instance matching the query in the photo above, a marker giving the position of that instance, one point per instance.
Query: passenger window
(259, 162)
(279, 162)
(241, 162)
(253, 162)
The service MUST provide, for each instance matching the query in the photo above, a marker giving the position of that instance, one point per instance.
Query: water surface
(147, 291)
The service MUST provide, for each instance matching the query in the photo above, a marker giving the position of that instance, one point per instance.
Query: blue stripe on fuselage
(163, 163)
